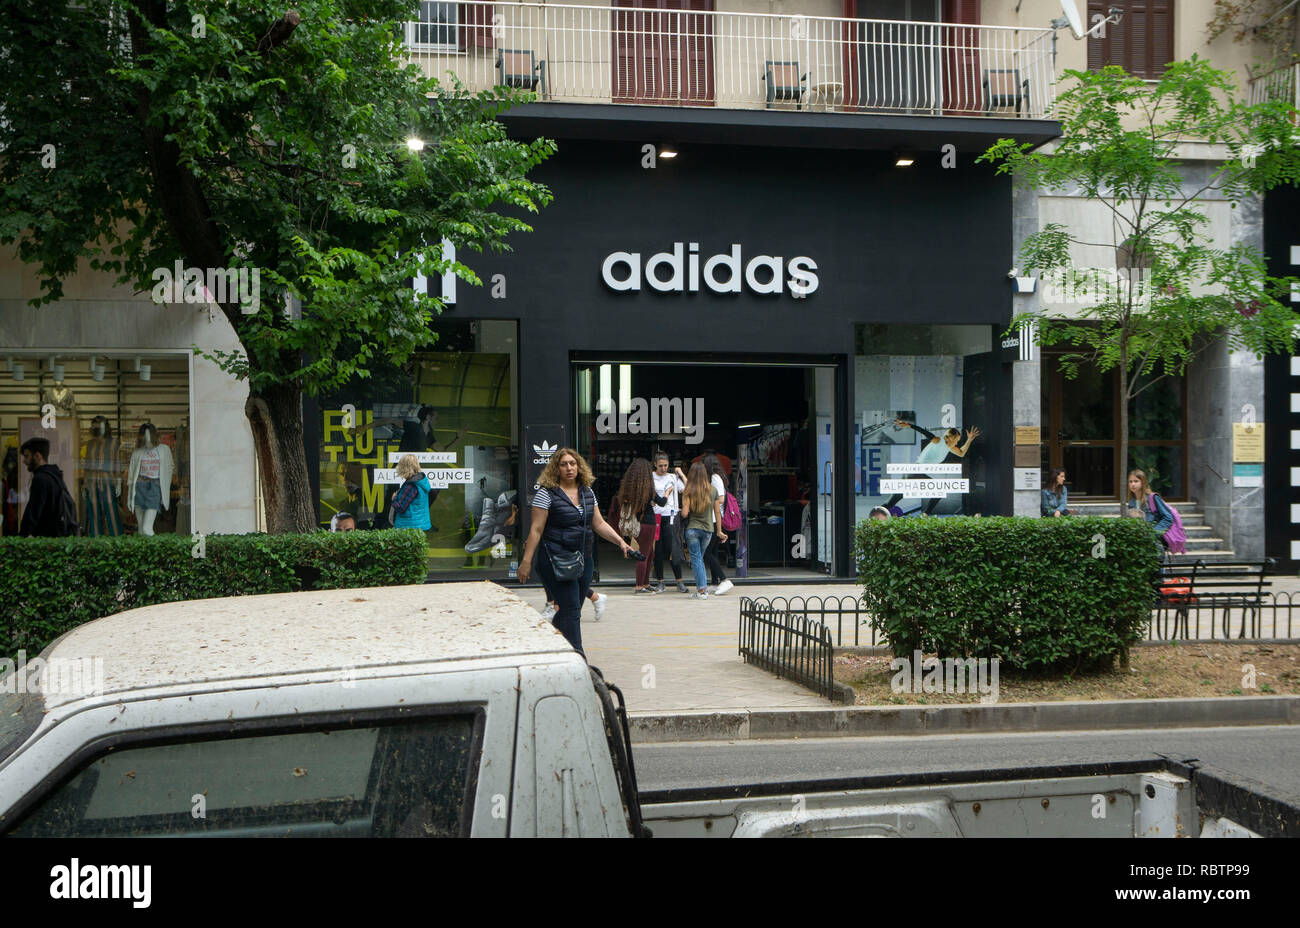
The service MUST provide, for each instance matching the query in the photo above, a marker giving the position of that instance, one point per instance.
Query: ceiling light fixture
(58, 372)
(904, 161)
(17, 370)
(146, 371)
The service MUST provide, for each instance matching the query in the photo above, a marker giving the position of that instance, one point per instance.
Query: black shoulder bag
(569, 564)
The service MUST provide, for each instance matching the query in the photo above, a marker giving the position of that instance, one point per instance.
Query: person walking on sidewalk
(45, 515)
(702, 511)
(669, 546)
(712, 555)
(634, 505)
(565, 518)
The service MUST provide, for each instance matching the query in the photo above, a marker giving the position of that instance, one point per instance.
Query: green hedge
(1031, 592)
(49, 585)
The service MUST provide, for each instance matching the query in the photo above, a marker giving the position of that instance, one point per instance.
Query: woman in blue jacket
(416, 515)
(1056, 499)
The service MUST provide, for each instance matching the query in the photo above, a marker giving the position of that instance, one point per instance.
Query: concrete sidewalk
(669, 653)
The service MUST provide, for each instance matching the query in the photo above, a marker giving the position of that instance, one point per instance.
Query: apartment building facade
(769, 239)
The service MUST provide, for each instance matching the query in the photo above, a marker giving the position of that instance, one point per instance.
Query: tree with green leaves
(230, 134)
(1172, 290)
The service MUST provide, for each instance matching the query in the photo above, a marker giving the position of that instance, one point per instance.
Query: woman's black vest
(564, 522)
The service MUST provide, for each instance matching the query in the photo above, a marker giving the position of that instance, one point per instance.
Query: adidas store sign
(682, 271)
(542, 453)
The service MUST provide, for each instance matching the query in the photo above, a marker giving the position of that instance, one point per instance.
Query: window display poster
(456, 411)
(924, 390)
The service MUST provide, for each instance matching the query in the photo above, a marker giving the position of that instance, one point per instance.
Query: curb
(867, 721)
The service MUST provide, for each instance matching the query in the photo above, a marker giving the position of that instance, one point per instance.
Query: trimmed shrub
(50, 585)
(1039, 594)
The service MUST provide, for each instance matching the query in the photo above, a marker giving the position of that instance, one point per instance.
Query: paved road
(1267, 754)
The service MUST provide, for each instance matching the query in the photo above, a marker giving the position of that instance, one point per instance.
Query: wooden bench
(1226, 585)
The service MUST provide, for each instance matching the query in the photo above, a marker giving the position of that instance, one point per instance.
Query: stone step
(1210, 557)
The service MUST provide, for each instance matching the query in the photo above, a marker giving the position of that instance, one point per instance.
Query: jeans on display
(697, 539)
(712, 561)
(568, 599)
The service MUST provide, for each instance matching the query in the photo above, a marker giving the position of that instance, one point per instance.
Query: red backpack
(730, 514)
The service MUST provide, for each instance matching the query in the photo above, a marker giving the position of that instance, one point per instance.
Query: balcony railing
(571, 53)
(1280, 84)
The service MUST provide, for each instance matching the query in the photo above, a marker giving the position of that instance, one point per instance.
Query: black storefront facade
(782, 292)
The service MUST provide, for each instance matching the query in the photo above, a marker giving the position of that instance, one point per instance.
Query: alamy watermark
(180, 284)
(950, 675)
(1093, 285)
(77, 676)
(656, 416)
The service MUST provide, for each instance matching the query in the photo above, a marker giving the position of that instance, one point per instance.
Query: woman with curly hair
(565, 514)
(635, 506)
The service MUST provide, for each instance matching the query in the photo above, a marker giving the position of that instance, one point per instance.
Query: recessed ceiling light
(667, 153)
(904, 161)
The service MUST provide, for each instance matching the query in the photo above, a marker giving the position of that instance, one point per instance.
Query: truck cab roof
(203, 642)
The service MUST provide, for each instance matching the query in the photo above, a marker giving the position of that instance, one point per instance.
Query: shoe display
(549, 612)
(482, 539)
(723, 587)
(600, 605)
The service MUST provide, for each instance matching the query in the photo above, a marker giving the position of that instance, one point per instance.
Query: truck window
(20, 714)
(412, 779)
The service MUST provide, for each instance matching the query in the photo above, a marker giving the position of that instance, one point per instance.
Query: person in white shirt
(669, 545)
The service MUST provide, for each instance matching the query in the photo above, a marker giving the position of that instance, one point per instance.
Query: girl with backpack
(713, 467)
(1163, 518)
(635, 502)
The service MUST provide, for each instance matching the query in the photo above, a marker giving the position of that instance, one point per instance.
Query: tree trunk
(276, 417)
(1123, 424)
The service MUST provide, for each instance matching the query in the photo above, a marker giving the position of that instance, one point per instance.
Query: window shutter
(475, 24)
(1099, 51)
(1162, 35)
(1142, 43)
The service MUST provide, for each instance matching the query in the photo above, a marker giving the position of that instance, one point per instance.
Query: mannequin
(149, 480)
(102, 482)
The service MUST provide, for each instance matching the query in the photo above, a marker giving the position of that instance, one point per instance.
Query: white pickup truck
(440, 710)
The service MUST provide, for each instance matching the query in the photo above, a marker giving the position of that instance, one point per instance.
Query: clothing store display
(149, 478)
(102, 482)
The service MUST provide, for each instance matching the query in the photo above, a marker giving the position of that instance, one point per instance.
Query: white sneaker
(600, 605)
(723, 587)
(549, 612)
(698, 596)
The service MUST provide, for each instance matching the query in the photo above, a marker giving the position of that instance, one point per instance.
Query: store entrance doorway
(770, 426)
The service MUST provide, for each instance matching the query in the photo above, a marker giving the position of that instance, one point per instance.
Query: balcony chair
(784, 82)
(519, 67)
(1003, 87)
